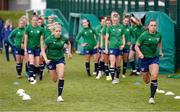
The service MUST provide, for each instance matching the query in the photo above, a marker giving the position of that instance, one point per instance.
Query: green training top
(55, 47)
(34, 34)
(136, 32)
(88, 35)
(127, 35)
(16, 37)
(115, 36)
(149, 44)
(100, 29)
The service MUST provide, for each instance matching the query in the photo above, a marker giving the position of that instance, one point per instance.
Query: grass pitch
(83, 93)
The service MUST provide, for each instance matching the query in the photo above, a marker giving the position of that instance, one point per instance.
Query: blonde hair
(114, 14)
(8, 21)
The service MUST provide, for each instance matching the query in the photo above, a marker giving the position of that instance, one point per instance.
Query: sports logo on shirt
(31, 31)
(90, 31)
(127, 29)
(157, 39)
(113, 29)
(38, 31)
(85, 33)
(119, 30)
(54, 42)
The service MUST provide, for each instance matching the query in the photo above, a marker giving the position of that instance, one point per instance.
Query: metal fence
(104, 7)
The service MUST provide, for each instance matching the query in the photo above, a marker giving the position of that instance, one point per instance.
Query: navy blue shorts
(19, 51)
(133, 47)
(125, 51)
(115, 52)
(145, 62)
(35, 52)
(90, 52)
(52, 64)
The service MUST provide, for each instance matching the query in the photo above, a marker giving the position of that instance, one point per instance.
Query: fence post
(110, 6)
(82, 5)
(146, 7)
(178, 13)
(167, 7)
(90, 11)
(129, 5)
(136, 5)
(94, 7)
(156, 5)
(104, 7)
(99, 8)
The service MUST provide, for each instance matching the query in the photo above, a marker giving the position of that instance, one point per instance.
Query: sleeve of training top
(11, 37)
(79, 36)
(141, 38)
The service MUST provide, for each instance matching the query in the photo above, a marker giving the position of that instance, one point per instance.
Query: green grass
(83, 93)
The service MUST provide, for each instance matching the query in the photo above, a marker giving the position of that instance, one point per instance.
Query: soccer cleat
(151, 101)
(32, 80)
(137, 73)
(123, 76)
(99, 75)
(19, 76)
(132, 73)
(60, 99)
(115, 81)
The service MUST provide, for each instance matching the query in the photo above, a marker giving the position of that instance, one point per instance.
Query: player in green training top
(149, 47)
(54, 57)
(106, 55)
(100, 54)
(115, 42)
(137, 29)
(127, 35)
(33, 35)
(41, 60)
(90, 44)
(16, 39)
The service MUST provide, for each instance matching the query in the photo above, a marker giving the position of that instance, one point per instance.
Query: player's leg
(60, 73)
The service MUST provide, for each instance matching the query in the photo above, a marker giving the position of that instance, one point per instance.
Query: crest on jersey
(85, 33)
(113, 29)
(119, 30)
(54, 42)
(90, 31)
(127, 29)
(38, 31)
(31, 31)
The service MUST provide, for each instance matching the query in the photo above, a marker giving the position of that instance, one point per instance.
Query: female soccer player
(33, 35)
(100, 54)
(16, 40)
(137, 30)
(91, 43)
(127, 35)
(147, 48)
(105, 55)
(115, 42)
(54, 57)
(5, 33)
